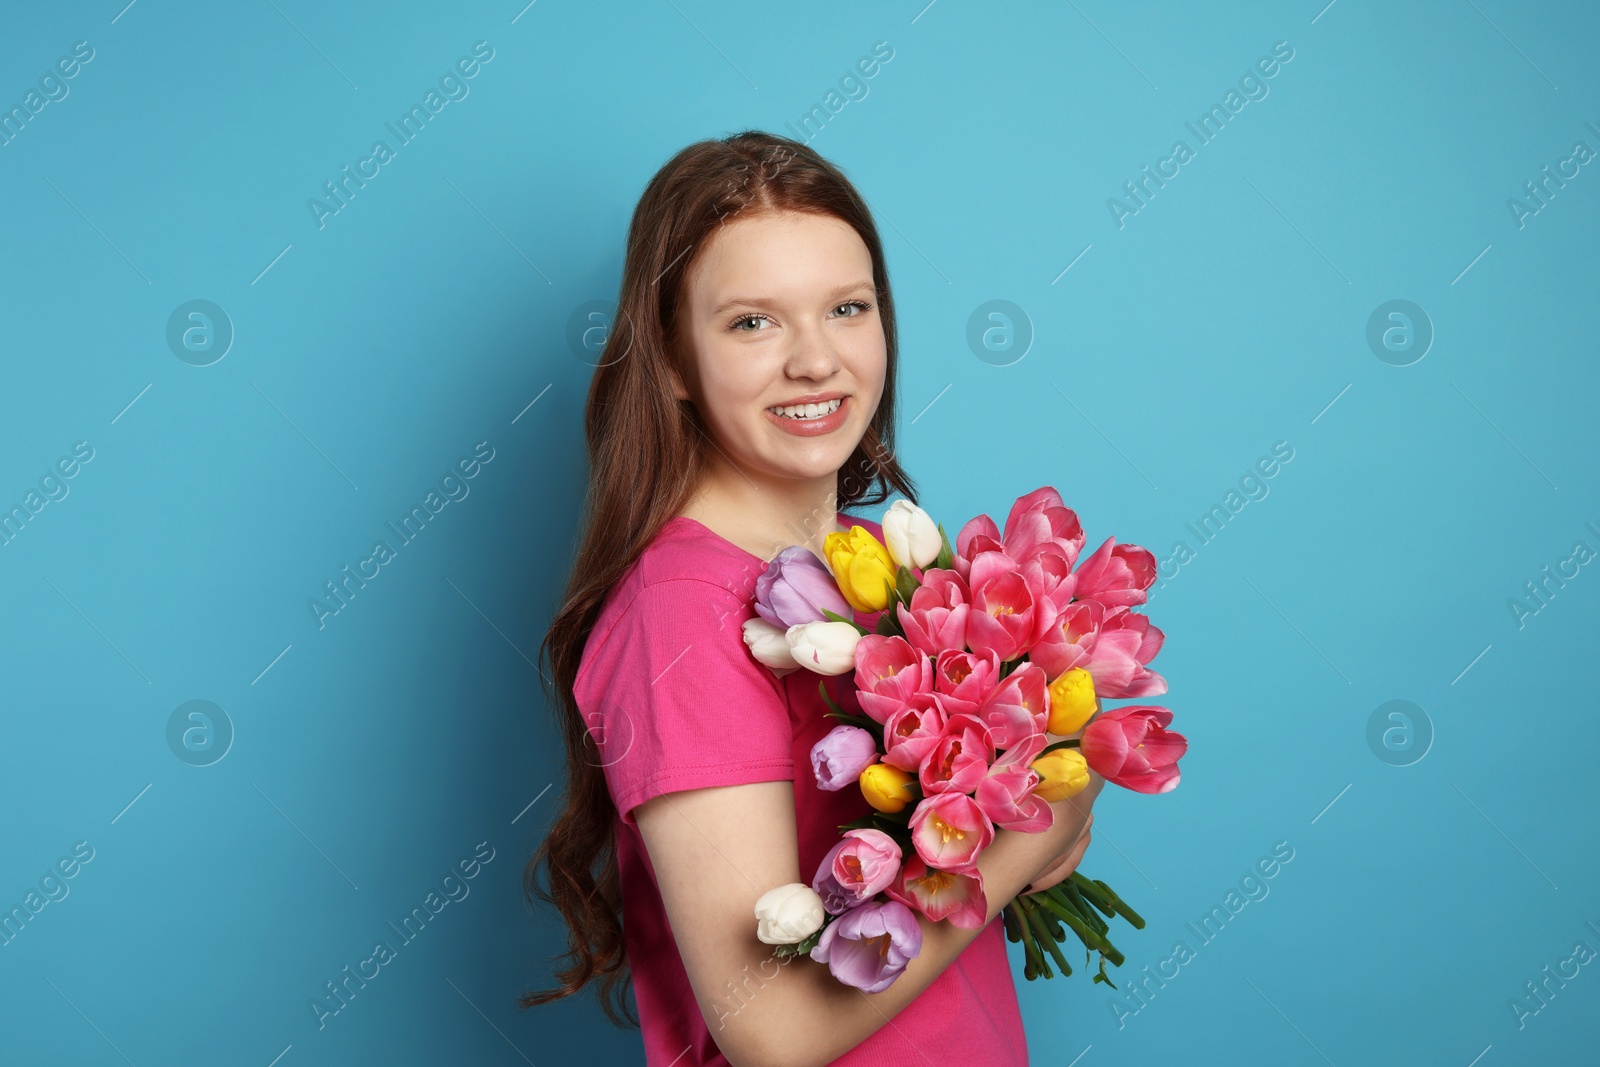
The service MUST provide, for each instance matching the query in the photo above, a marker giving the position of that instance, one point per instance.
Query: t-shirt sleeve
(675, 701)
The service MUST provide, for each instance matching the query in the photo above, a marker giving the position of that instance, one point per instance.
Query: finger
(1063, 868)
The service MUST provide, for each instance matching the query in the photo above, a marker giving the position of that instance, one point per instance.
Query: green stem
(1041, 962)
(1069, 895)
(1042, 934)
(1031, 950)
(1118, 905)
(1071, 742)
(1090, 900)
(1089, 937)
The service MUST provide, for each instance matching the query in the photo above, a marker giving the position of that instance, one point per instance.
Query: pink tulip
(960, 758)
(1017, 707)
(1131, 747)
(889, 672)
(839, 758)
(1006, 796)
(942, 894)
(977, 536)
(948, 831)
(1126, 642)
(1041, 519)
(1112, 644)
(965, 678)
(1011, 608)
(870, 946)
(1038, 521)
(910, 733)
(1070, 640)
(854, 870)
(1116, 575)
(936, 618)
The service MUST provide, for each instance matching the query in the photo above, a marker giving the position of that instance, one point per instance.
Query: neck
(765, 516)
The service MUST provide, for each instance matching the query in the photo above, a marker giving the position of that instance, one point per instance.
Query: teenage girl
(744, 400)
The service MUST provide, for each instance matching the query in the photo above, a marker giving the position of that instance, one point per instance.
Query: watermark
(1399, 332)
(1538, 593)
(1399, 733)
(339, 593)
(741, 992)
(1138, 192)
(52, 888)
(199, 333)
(52, 487)
(1537, 996)
(1136, 996)
(452, 889)
(452, 84)
(589, 328)
(851, 87)
(1252, 487)
(53, 88)
(999, 332)
(1540, 191)
(199, 733)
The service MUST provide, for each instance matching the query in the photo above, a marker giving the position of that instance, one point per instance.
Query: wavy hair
(631, 413)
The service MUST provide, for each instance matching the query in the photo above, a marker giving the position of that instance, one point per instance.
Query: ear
(678, 390)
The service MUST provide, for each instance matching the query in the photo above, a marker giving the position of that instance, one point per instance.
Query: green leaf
(905, 583)
(836, 617)
(800, 948)
(946, 558)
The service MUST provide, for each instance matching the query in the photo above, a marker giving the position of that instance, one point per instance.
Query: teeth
(808, 411)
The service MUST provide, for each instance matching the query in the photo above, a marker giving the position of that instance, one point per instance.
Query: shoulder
(684, 586)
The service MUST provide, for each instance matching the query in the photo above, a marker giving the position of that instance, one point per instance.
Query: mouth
(806, 412)
(812, 419)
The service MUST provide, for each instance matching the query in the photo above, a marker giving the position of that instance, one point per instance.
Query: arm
(715, 850)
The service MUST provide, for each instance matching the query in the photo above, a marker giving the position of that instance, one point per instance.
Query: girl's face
(779, 312)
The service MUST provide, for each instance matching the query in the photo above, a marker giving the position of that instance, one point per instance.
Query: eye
(735, 325)
(861, 306)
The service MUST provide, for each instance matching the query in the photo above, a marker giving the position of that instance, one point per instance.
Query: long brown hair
(632, 415)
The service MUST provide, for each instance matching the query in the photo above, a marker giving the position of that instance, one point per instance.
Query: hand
(1061, 869)
(1079, 808)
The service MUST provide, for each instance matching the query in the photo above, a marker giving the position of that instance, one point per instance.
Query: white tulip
(769, 646)
(824, 647)
(910, 535)
(788, 914)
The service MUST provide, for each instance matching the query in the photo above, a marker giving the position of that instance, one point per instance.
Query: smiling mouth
(803, 412)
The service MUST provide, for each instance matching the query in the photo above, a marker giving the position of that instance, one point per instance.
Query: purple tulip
(840, 757)
(795, 587)
(870, 946)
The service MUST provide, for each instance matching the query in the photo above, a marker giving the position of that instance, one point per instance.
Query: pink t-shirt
(675, 701)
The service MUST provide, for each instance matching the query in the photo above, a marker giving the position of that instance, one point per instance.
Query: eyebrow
(833, 294)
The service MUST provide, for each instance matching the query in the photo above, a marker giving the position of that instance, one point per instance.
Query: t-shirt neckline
(743, 551)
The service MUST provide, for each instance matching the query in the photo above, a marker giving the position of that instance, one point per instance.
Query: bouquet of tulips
(979, 655)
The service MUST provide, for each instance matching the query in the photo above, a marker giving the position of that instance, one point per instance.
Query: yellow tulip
(1062, 773)
(862, 566)
(1072, 701)
(886, 788)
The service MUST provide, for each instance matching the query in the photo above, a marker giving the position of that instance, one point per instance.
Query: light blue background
(1228, 314)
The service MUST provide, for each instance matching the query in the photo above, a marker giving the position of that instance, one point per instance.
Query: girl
(745, 397)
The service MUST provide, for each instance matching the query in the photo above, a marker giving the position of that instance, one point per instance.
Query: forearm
(814, 1018)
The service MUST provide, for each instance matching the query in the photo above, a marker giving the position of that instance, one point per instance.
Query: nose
(811, 355)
